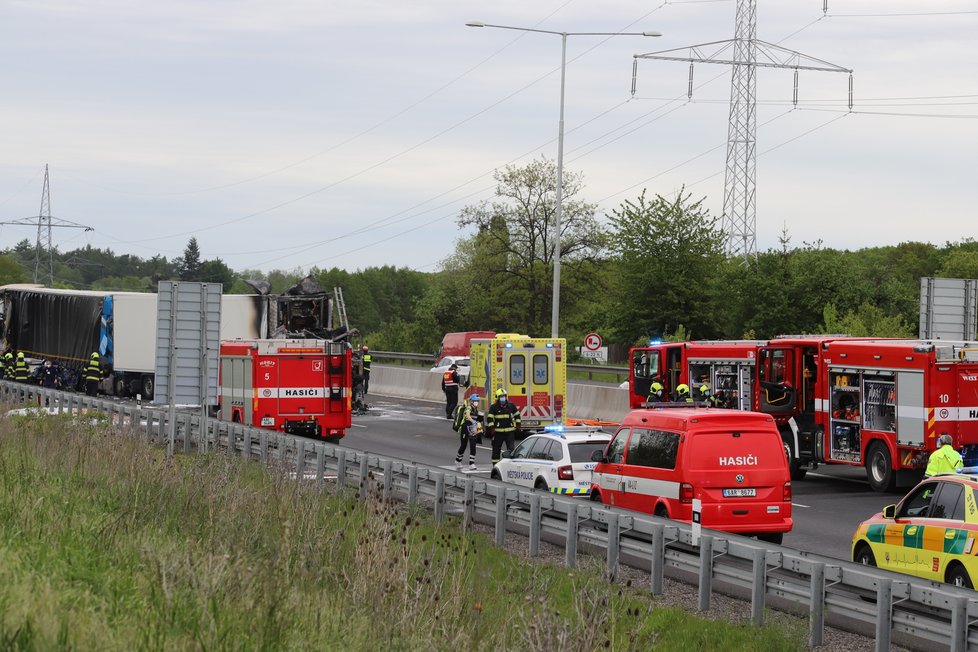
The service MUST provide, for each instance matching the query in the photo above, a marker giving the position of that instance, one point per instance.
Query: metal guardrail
(620, 373)
(848, 595)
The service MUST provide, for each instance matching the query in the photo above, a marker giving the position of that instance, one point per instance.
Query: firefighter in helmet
(502, 422)
(682, 394)
(21, 372)
(93, 374)
(8, 365)
(706, 396)
(657, 393)
(365, 356)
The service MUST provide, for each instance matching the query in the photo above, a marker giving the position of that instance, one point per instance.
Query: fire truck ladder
(341, 309)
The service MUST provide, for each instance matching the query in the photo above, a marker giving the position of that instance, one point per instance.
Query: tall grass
(107, 544)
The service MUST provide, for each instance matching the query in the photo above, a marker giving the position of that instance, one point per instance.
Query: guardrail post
(570, 547)
(186, 433)
(534, 525)
(706, 571)
(246, 449)
(387, 467)
(817, 619)
(320, 465)
(364, 470)
(340, 469)
(300, 460)
(468, 505)
(439, 497)
(614, 529)
(758, 587)
(500, 516)
(263, 453)
(959, 625)
(658, 558)
(884, 610)
(412, 484)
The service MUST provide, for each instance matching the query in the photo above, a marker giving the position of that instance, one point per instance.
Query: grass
(107, 544)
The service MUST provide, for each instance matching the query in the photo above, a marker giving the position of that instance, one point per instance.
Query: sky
(350, 133)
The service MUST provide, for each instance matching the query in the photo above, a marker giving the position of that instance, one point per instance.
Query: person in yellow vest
(367, 359)
(21, 372)
(502, 424)
(449, 385)
(945, 459)
(682, 394)
(93, 375)
(8, 365)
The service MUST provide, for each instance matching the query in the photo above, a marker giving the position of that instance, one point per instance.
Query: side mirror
(598, 456)
(889, 511)
(507, 454)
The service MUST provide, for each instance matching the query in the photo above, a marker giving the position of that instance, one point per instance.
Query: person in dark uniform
(366, 369)
(449, 385)
(502, 422)
(21, 372)
(93, 375)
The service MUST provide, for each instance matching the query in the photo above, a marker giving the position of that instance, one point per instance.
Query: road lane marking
(800, 505)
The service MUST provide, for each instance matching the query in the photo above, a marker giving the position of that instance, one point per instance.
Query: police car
(931, 533)
(557, 460)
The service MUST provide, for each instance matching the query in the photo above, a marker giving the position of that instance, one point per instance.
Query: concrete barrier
(605, 403)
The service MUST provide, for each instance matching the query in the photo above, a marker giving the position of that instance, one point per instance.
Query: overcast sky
(350, 133)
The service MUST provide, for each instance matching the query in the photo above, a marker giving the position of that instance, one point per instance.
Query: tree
(513, 250)
(188, 266)
(669, 253)
(11, 271)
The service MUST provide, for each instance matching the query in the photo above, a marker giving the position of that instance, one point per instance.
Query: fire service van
(532, 371)
(297, 386)
(661, 460)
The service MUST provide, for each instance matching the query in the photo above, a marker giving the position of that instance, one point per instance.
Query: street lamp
(555, 311)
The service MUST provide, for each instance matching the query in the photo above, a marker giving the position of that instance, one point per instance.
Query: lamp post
(555, 311)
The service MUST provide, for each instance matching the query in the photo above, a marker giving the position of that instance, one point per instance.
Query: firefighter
(366, 368)
(49, 376)
(502, 422)
(93, 375)
(945, 459)
(470, 430)
(449, 385)
(706, 396)
(21, 372)
(8, 365)
(682, 394)
(657, 393)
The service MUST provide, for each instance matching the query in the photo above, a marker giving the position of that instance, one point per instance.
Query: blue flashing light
(655, 342)
(550, 345)
(555, 428)
(509, 345)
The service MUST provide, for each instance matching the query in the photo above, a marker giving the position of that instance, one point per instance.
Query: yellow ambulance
(532, 370)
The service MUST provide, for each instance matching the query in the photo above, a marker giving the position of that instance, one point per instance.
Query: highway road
(828, 504)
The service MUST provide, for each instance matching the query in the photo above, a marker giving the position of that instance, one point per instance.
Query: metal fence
(850, 596)
(620, 373)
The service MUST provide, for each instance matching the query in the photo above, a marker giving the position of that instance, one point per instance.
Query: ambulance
(297, 386)
(532, 371)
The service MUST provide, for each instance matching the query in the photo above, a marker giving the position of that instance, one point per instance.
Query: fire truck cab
(297, 386)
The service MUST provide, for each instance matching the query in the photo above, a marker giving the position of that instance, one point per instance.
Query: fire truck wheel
(797, 471)
(879, 467)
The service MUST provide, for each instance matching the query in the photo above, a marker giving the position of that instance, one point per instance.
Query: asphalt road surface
(827, 506)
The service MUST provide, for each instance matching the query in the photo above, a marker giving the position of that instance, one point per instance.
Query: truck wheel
(596, 496)
(121, 387)
(661, 511)
(797, 471)
(771, 537)
(879, 467)
(149, 384)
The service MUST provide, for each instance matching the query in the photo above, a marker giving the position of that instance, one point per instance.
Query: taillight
(786, 492)
(565, 472)
(685, 493)
(559, 405)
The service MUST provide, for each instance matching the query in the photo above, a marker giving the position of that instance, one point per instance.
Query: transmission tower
(44, 223)
(744, 53)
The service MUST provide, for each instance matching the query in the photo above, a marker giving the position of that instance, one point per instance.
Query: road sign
(601, 355)
(592, 342)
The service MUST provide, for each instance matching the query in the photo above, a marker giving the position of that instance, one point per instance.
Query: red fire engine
(880, 404)
(298, 386)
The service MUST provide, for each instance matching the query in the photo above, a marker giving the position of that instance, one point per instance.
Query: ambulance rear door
(529, 372)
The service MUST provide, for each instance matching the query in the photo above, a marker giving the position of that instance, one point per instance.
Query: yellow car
(931, 533)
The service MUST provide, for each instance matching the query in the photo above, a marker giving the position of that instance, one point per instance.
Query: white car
(462, 363)
(558, 460)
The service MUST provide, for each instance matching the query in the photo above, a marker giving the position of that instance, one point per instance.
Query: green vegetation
(107, 544)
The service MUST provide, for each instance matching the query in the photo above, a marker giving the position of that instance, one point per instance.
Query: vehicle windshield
(581, 451)
(756, 449)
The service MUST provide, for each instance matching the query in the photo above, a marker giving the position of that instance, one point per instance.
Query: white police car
(557, 460)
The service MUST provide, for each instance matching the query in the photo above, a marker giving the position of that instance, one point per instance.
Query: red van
(458, 343)
(733, 461)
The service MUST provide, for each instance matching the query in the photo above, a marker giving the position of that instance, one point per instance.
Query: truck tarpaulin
(63, 327)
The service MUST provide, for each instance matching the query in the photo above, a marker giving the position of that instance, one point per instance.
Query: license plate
(740, 492)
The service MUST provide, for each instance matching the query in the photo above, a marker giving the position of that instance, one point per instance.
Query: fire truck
(879, 404)
(296, 386)
(533, 371)
(728, 367)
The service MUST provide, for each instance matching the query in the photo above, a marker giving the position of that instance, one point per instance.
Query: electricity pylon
(744, 53)
(44, 223)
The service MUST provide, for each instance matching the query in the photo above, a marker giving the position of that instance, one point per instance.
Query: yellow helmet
(95, 355)
(682, 390)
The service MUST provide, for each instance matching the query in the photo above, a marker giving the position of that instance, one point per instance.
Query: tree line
(653, 268)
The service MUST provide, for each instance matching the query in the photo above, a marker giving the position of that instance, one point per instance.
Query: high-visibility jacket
(20, 370)
(944, 460)
(449, 379)
(503, 417)
(8, 366)
(367, 359)
(93, 371)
